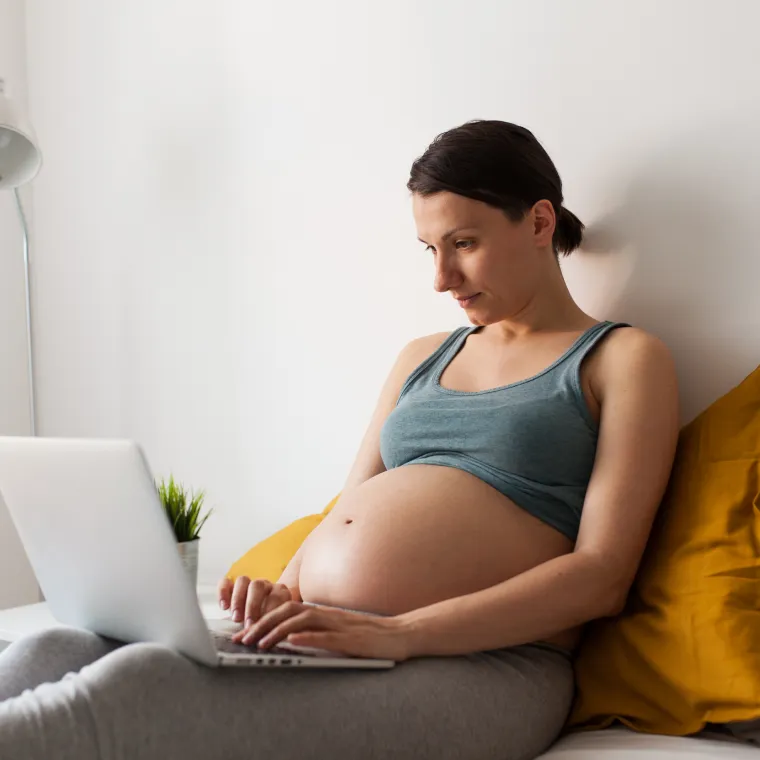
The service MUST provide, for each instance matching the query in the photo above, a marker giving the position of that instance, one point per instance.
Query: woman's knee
(147, 656)
(139, 667)
(145, 685)
(47, 656)
(62, 639)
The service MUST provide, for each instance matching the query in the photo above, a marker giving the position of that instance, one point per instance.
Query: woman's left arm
(638, 432)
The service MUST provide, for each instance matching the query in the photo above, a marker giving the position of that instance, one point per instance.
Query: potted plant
(183, 510)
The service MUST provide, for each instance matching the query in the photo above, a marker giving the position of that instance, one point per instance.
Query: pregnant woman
(501, 497)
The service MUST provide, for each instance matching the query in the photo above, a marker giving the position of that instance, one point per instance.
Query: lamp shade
(20, 158)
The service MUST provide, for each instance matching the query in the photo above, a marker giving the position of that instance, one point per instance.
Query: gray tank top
(533, 440)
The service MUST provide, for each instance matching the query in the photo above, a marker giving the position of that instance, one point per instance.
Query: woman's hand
(249, 600)
(349, 633)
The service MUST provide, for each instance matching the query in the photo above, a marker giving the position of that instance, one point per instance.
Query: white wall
(17, 582)
(226, 258)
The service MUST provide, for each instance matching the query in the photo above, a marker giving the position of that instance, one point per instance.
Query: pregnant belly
(418, 534)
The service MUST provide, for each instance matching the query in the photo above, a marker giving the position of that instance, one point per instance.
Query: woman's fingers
(258, 591)
(239, 594)
(294, 624)
(351, 633)
(288, 617)
(224, 590)
(347, 632)
(279, 594)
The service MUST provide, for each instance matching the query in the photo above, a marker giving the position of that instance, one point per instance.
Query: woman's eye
(468, 244)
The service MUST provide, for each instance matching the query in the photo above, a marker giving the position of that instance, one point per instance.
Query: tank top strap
(426, 371)
(585, 344)
(568, 372)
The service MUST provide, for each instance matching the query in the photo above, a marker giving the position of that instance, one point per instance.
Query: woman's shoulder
(634, 343)
(426, 344)
(417, 350)
(631, 355)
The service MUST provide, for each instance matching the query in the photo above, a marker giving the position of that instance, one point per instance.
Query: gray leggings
(73, 695)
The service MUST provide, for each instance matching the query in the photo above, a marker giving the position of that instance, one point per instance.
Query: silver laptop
(106, 558)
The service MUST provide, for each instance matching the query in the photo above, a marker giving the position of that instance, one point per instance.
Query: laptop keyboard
(223, 643)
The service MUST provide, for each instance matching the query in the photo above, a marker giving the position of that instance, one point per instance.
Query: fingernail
(223, 604)
(236, 616)
(248, 622)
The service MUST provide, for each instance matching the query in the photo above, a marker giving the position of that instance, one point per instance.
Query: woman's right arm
(368, 462)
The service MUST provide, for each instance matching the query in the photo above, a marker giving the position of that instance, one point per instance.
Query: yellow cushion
(686, 650)
(270, 557)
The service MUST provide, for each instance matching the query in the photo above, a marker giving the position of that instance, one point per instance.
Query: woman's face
(487, 253)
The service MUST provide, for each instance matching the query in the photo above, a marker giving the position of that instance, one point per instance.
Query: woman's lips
(465, 302)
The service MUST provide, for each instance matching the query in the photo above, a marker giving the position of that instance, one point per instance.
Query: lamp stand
(29, 355)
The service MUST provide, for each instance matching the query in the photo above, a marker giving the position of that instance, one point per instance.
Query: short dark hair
(501, 164)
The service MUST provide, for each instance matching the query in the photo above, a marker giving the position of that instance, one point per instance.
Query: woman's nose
(445, 277)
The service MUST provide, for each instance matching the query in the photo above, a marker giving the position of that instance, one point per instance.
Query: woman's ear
(544, 222)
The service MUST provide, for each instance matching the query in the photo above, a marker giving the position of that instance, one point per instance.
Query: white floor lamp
(20, 160)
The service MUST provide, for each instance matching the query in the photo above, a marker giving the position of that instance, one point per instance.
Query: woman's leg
(47, 656)
(147, 701)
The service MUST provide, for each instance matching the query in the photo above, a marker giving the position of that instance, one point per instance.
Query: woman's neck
(549, 309)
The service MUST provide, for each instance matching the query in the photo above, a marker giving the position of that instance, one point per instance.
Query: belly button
(348, 522)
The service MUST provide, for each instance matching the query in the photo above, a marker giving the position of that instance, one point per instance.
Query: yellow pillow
(270, 557)
(686, 650)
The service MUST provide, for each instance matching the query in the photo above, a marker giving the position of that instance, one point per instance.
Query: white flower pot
(188, 553)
